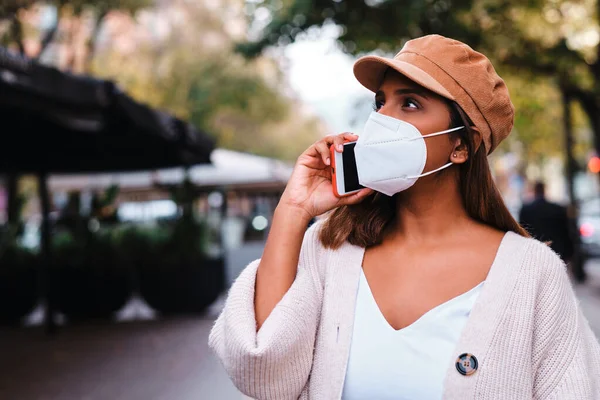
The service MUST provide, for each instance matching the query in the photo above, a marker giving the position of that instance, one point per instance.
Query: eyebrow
(417, 91)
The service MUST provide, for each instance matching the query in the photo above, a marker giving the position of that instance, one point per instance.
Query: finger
(338, 143)
(339, 140)
(322, 148)
(349, 136)
(328, 140)
(356, 197)
(313, 162)
(314, 149)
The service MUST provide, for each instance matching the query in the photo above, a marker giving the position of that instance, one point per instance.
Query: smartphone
(343, 171)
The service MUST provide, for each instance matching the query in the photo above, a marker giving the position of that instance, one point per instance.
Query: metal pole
(46, 251)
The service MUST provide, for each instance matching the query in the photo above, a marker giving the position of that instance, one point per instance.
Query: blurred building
(240, 186)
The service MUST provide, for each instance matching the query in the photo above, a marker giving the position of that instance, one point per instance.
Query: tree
(367, 24)
(538, 101)
(191, 70)
(79, 21)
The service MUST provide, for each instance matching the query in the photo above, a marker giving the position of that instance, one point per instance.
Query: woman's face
(401, 98)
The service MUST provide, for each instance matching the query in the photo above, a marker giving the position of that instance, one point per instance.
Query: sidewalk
(144, 360)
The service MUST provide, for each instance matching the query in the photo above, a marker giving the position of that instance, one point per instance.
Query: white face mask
(391, 154)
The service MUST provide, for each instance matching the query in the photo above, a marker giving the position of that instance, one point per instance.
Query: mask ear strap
(431, 172)
(438, 133)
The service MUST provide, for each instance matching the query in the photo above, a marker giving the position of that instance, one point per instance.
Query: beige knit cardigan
(526, 330)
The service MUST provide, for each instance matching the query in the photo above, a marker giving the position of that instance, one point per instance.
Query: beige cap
(455, 71)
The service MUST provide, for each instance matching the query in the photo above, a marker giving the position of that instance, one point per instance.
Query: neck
(429, 210)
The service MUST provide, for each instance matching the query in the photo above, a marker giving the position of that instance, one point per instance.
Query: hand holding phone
(310, 189)
(344, 172)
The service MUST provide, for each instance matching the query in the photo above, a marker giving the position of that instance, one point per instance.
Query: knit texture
(526, 329)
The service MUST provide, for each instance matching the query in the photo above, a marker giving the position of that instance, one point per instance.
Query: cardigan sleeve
(566, 353)
(581, 380)
(275, 362)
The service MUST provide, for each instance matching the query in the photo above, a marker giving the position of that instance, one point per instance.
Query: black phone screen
(350, 172)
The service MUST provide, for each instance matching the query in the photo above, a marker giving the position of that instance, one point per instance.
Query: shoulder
(311, 237)
(559, 208)
(312, 240)
(326, 258)
(544, 281)
(535, 253)
(527, 206)
(313, 254)
(537, 260)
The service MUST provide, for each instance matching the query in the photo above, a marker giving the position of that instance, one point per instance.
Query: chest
(406, 286)
(382, 360)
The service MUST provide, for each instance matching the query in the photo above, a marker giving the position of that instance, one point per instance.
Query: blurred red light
(586, 230)
(594, 165)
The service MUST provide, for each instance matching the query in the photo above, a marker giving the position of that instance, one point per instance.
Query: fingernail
(327, 162)
(340, 147)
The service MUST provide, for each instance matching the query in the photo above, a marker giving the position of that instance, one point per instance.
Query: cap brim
(369, 71)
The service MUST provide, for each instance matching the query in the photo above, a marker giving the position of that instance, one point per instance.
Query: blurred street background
(145, 145)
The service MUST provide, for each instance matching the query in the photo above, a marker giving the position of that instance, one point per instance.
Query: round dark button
(466, 364)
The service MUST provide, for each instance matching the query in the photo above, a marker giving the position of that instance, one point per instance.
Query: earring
(454, 155)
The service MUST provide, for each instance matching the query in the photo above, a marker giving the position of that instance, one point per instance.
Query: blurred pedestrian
(422, 286)
(548, 222)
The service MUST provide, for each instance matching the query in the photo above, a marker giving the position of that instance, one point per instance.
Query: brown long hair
(364, 224)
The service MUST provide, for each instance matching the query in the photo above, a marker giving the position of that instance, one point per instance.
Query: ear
(460, 153)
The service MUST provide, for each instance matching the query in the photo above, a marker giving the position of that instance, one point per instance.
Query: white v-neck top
(410, 363)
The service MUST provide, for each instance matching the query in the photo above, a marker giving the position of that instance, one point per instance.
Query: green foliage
(137, 239)
(110, 195)
(67, 250)
(104, 207)
(9, 8)
(164, 244)
(11, 253)
(10, 233)
(539, 117)
(189, 238)
(516, 31)
(141, 245)
(220, 84)
(206, 90)
(539, 125)
(104, 6)
(195, 74)
(95, 249)
(368, 25)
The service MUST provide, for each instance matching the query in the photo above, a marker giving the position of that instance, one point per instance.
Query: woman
(433, 292)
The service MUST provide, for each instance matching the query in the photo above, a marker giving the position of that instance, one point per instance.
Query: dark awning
(57, 122)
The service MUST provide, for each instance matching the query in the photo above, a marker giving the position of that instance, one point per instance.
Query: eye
(377, 104)
(409, 102)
